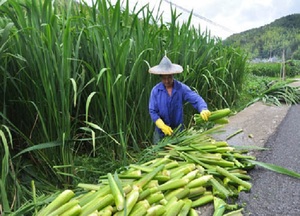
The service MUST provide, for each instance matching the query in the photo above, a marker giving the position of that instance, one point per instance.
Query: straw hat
(166, 67)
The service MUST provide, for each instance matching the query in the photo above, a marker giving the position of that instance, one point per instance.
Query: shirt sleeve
(153, 106)
(193, 98)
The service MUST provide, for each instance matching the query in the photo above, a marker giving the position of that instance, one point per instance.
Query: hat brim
(174, 69)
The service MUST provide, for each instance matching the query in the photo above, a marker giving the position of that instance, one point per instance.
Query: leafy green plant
(293, 68)
(270, 69)
(75, 81)
(279, 92)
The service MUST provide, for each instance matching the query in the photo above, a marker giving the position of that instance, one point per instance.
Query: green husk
(193, 212)
(107, 211)
(61, 199)
(235, 213)
(186, 207)
(140, 208)
(199, 181)
(75, 210)
(149, 176)
(220, 188)
(116, 192)
(156, 210)
(147, 192)
(97, 204)
(179, 193)
(155, 198)
(173, 184)
(64, 207)
(130, 201)
(206, 198)
(232, 177)
(219, 206)
(215, 115)
(196, 192)
(175, 208)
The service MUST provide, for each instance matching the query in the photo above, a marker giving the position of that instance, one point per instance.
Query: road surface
(275, 194)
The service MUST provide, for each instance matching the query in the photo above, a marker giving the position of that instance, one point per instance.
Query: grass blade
(276, 168)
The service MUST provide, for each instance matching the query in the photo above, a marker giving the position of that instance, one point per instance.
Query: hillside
(270, 40)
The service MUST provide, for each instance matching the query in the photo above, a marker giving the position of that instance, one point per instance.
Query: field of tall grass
(75, 86)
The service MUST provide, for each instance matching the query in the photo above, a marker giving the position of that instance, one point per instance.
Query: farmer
(167, 98)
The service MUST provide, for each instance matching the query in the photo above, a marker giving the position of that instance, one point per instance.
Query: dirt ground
(256, 123)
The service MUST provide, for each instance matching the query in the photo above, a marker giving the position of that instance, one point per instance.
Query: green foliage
(293, 68)
(74, 83)
(274, 69)
(270, 40)
(270, 69)
(252, 87)
(270, 91)
(280, 92)
(296, 54)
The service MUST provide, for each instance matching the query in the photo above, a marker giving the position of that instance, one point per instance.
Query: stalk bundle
(182, 177)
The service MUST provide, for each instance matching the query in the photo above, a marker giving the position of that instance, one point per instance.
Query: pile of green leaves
(277, 93)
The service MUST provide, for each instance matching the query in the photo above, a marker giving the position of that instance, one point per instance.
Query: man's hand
(205, 114)
(167, 130)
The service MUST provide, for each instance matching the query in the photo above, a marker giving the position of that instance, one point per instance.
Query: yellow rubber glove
(205, 114)
(167, 130)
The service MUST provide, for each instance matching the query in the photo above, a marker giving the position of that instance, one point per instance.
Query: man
(167, 99)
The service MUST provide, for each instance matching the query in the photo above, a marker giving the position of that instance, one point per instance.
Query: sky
(225, 17)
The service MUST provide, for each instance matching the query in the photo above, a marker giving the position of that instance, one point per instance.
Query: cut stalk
(196, 192)
(219, 206)
(196, 160)
(107, 211)
(173, 184)
(232, 177)
(206, 198)
(186, 207)
(147, 192)
(100, 193)
(151, 184)
(154, 198)
(97, 204)
(199, 181)
(89, 186)
(142, 168)
(193, 212)
(140, 208)
(219, 187)
(75, 210)
(215, 115)
(175, 208)
(160, 161)
(131, 200)
(171, 165)
(61, 199)
(64, 207)
(235, 213)
(148, 177)
(116, 192)
(191, 175)
(182, 170)
(180, 193)
(156, 210)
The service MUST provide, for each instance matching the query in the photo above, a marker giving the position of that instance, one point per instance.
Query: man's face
(167, 80)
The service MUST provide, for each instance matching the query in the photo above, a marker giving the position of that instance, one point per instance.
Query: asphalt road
(274, 194)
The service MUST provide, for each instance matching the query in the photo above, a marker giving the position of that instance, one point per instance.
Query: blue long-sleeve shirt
(170, 108)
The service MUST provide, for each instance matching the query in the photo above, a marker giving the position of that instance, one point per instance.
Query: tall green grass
(75, 80)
